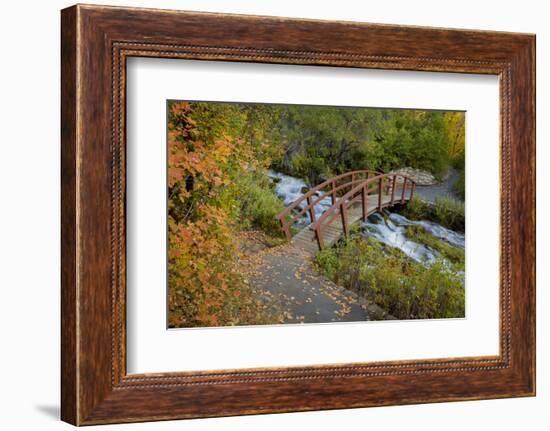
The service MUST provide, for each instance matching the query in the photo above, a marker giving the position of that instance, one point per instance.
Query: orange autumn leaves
(189, 156)
(205, 288)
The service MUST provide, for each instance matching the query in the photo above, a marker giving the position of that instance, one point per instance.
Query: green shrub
(446, 211)
(257, 204)
(460, 185)
(459, 160)
(449, 213)
(387, 277)
(454, 254)
(328, 262)
(313, 168)
(416, 209)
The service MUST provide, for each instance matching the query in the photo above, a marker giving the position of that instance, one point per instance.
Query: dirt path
(287, 282)
(443, 189)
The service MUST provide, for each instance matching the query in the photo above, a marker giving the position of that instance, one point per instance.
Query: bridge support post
(413, 188)
(365, 197)
(333, 195)
(319, 238)
(311, 209)
(380, 191)
(393, 188)
(344, 215)
(286, 229)
(403, 191)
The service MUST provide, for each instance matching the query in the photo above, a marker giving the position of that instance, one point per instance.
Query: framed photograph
(266, 215)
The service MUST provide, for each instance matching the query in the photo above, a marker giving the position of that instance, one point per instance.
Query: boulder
(421, 177)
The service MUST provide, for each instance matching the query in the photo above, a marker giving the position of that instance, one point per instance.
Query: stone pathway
(289, 285)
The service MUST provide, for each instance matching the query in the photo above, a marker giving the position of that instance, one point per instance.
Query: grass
(386, 276)
(450, 213)
(446, 212)
(455, 255)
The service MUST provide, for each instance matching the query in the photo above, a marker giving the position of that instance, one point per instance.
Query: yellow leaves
(455, 127)
(222, 150)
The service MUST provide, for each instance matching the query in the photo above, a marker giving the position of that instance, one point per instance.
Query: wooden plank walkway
(306, 242)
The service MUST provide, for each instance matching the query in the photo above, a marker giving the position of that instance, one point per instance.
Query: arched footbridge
(347, 199)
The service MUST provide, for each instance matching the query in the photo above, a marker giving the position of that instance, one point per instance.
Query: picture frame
(96, 42)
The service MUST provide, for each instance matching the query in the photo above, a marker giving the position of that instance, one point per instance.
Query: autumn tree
(455, 126)
(212, 150)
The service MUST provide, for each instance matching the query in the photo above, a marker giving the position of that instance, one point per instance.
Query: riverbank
(413, 269)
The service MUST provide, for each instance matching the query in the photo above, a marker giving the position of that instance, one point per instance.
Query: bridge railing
(333, 188)
(386, 186)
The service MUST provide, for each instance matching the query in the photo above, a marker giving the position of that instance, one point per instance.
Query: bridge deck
(305, 239)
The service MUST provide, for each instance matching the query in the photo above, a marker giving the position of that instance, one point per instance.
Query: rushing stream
(390, 230)
(290, 188)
